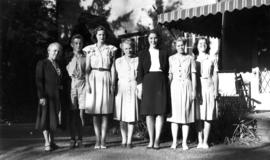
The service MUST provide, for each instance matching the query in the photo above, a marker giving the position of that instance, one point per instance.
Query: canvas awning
(212, 9)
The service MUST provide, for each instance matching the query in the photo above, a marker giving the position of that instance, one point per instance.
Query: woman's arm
(40, 80)
(140, 70)
(193, 78)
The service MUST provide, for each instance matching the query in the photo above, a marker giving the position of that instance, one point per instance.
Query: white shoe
(205, 146)
(185, 147)
(200, 145)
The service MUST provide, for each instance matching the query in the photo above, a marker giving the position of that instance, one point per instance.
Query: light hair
(129, 42)
(180, 39)
(54, 44)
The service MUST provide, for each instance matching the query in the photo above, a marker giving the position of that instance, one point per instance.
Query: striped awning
(220, 7)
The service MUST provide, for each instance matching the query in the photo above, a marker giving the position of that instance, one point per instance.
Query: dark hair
(195, 46)
(99, 28)
(76, 36)
(158, 36)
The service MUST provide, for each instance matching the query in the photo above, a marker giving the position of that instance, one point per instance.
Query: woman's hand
(88, 88)
(112, 89)
(139, 91)
(42, 101)
(193, 96)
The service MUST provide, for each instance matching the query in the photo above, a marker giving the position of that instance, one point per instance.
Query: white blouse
(155, 64)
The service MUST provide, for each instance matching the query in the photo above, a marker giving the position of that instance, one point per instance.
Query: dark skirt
(47, 118)
(155, 99)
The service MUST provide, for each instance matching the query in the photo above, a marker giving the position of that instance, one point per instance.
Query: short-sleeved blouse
(99, 57)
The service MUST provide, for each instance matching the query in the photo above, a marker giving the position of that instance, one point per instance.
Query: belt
(101, 69)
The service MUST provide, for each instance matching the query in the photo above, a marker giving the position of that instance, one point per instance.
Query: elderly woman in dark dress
(48, 81)
(152, 80)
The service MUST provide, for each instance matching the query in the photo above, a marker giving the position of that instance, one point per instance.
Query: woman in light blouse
(182, 75)
(207, 90)
(100, 71)
(152, 82)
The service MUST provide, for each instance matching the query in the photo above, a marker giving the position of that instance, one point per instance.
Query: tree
(27, 28)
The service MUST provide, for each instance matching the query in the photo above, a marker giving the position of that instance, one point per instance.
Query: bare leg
(46, 137)
(206, 131)
(158, 126)
(96, 122)
(185, 130)
(174, 129)
(150, 122)
(130, 132)
(200, 134)
(123, 129)
(104, 125)
(51, 137)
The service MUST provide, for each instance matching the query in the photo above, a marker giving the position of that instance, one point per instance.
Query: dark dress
(155, 96)
(48, 86)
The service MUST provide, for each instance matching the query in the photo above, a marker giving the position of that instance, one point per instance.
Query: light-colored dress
(181, 69)
(126, 103)
(206, 104)
(100, 100)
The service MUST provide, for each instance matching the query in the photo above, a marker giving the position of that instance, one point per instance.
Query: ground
(20, 141)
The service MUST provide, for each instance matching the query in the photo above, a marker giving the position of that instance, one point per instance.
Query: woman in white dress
(100, 73)
(126, 103)
(207, 90)
(182, 75)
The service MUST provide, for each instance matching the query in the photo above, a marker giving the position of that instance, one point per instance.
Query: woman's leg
(123, 129)
(150, 122)
(200, 133)
(130, 132)
(185, 130)
(158, 127)
(206, 131)
(174, 129)
(46, 137)
(104, 125)
(96, 122)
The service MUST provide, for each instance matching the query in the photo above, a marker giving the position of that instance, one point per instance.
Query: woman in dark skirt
(48, 78)
(152, 82)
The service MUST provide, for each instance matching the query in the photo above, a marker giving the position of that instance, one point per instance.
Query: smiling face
(77, 44)
(101, 36)
(153, 40)
(127, 49)
(180, 47)
(202, 45)
(53, 51)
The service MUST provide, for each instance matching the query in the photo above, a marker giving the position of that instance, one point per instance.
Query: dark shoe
(72, 144)
(54, 146)
(79, 144)
(129, 146)
(149, 147)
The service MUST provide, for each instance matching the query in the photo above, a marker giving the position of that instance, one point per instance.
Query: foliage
(28, 26)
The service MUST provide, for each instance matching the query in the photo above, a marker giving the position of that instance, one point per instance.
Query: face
(77, 44)
(127, 49)
(101, 36)
(153, 40)
(180, 47)
(53, 52)
(202, 46)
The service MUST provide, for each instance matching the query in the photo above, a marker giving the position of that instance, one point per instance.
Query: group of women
(181, 89)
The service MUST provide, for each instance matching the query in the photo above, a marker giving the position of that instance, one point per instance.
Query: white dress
(181, 69)
(100, 100)
(206, 105)
(126, 103)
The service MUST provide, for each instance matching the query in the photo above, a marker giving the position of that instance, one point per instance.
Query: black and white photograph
(135, 79)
